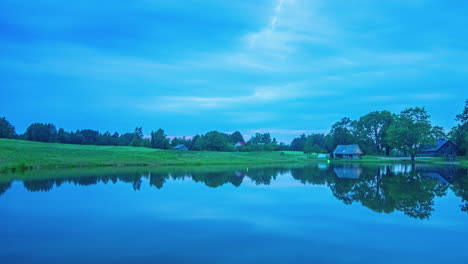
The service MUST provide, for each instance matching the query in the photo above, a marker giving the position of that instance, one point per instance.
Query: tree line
(378, 132)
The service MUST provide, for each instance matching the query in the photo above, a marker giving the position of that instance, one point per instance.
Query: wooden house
(347, 152)
(180, 147)
(441, 148)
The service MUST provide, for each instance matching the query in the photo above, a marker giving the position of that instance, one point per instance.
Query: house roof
(438, 144)
(347, 149)
(179, 146)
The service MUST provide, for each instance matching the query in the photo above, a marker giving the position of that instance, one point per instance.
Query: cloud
(431, 96)
(257, 96)
(289, 131)
(65, 59)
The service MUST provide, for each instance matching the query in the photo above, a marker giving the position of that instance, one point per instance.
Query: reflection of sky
(189, 222)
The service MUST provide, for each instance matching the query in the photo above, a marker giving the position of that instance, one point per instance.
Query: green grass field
(22, 155)
(17, 155)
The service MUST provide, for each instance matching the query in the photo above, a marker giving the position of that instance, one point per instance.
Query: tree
(6, 129)
(159, 140)
(63, 136)
(126, 139)
(298, 143)
(410, 131)
(261, 142)
(41, 132)
(342, 132)
(372, 130)
(137, 137)
(236, 137)
(90, 136)
(214, 141)
(438, 132)
(315, 143)
(459, 134)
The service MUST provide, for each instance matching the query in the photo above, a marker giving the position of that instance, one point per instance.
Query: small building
(347, 152)
(240, 144)
(441, 148)
(181, 147)
(323, 156)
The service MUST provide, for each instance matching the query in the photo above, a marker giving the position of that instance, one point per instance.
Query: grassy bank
(460, 161)
(18, 155)
(24, 155)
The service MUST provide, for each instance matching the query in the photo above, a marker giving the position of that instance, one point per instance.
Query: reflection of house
(239, 174)
(444, 175)
(348, 171)
(322, 166)
(180, 147)
(347, 152)
(441, 148)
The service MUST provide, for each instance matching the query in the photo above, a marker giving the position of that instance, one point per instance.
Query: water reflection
(384, 189)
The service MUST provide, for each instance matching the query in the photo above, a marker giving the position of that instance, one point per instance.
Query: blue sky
(286, 66)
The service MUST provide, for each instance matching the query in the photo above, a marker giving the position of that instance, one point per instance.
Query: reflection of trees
(384, 191)
(4, 187)
(39, 185)
(134, 179)
(371, 192)
(264, 175)
(212, 179)
(312, 175)
(460, 188)
(412, 194)
(158, 179)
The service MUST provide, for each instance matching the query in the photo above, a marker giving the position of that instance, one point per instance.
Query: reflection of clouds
(270, 208)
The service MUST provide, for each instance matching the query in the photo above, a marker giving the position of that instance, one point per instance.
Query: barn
(180, 147)
(347, 152)
(441, 148)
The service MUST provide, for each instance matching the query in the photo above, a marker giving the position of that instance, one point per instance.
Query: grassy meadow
(18, 155)
(23, 155)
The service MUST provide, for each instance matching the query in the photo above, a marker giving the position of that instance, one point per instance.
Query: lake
(319, 213)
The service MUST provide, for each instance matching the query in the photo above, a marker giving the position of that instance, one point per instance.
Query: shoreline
(18, 155)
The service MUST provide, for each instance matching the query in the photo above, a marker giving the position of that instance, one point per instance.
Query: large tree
(137, 140)
(410, 131)
(6, 129)
(41, 132)
(438, 132)
(372, 130)
(236, 137)
(214, 141)
(298, 143)
(315, 143)
(342, 132)
(159, 140)
(459, 134)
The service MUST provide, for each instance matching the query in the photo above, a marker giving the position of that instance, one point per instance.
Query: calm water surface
(313, 214)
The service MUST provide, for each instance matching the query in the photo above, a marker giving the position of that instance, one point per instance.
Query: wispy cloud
(259, 95)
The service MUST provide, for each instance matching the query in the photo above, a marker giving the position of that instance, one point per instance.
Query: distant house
(347, 152)
(323, 156)
(180, 147)
(240, 144)
(441, 148)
